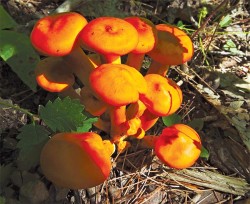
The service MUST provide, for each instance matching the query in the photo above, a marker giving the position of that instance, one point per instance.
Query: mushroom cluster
(106, 55)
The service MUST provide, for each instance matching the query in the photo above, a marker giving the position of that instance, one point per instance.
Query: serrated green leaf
(171, 119)
(5, 172)
(17, 51)
(204, 153)
(196, 124)
(63, 115)
(226, 21)
(6, 20)
(87, 125)
(32, 139)
(32, 135)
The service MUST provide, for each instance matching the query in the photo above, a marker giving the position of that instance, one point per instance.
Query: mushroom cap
(148, 120)
(174, 46)
(109, 35)
(147, 34)
(53, 75)
(117, 84)
(163, 97)
(75, 160)
(92, 104)
(55, 35)
(179, 146)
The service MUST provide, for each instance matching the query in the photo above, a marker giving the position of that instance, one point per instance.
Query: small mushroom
(53, 75)
(147, 39)
(174, 47)
(109, 36)
(179, 146)
(163, 97)
(76, 160)
(57, 35)
(117, 85)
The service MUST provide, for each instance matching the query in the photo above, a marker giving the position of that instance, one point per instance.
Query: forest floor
(216, 88)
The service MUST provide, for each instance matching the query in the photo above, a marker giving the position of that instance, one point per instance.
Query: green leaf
(231, 47)
(5, 172)
(2, 200)
(226, 21)
(87, 125)
(197, 124)
(171, 119)
(32, 139)
(6, 20)
(63, 115)
(17, 51)
(204, 153)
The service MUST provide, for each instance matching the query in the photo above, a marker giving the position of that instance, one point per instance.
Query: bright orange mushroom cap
(117, 84)
(147, 34)
(174, 46)
(56, 35)
(75, 160)
(109, 35)
(179, 146)
(53, 74)
(163, 97)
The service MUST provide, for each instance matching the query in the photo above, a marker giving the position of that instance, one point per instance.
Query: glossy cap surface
(179, 146)
(75, 160)
(174, 46)
(163, 97)
(56, 35)
(118, 84)
(147, 34)
(109, 35)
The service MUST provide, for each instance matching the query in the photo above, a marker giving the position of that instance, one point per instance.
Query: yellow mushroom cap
(56, 35)
(179, 146)
(174, 46)
(109, 36)
(75, 160)
(118, 84)
(53, 74)
(163, 97)
(147, 34)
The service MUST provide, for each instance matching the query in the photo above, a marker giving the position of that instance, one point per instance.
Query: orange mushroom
(76, 160)
(56, 35)
(147, 40)
(179, 146)
(148, 120)
(174, 47)
(163, 97)
(109, 36)
(117, 85)
(53, 75)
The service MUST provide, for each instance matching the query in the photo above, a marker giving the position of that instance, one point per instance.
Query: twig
(209, 179)
(209, 18)
(69, 5)
(224, 53)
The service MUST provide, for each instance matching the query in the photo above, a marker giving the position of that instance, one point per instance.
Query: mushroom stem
(81, 65)
(112, 59)
(157, 68)
(135, 60)
(70, 92)
(118, 118)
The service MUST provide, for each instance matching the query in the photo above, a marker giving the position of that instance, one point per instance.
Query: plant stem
(19, 109)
